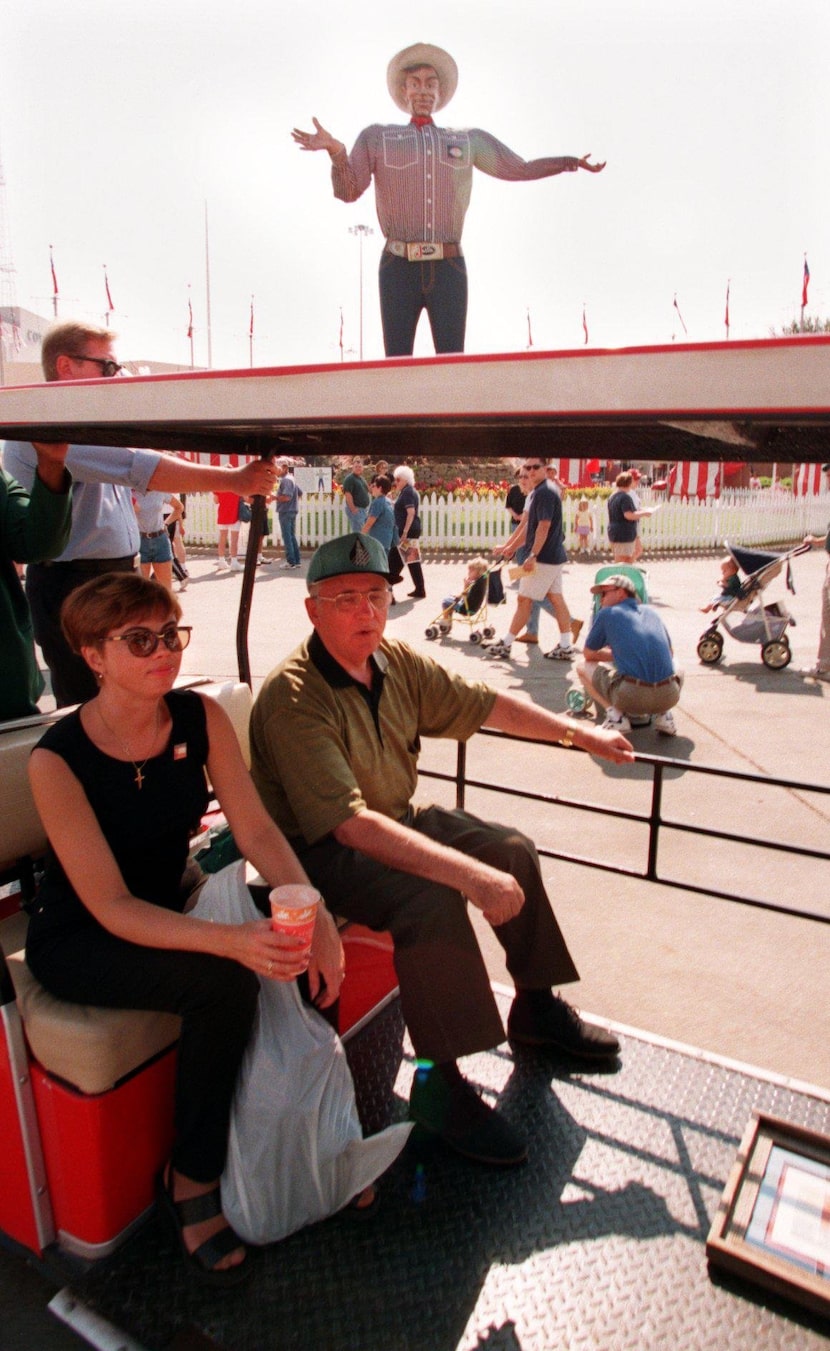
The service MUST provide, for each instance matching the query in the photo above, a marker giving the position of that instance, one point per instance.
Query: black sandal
(202, 1262)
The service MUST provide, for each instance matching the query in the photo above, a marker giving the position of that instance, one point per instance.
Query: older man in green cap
(423, 179)
(335, 734)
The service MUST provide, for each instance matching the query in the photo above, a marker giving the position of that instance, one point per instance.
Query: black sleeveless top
(147, 829)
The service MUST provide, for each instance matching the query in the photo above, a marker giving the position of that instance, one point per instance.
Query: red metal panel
(103, 1152)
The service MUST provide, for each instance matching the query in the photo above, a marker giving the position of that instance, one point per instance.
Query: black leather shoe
(541, 1018)
(452, 1110)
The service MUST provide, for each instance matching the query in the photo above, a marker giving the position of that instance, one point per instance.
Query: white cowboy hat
(422, 54)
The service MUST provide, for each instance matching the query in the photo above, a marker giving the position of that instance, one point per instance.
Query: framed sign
(773, 1221)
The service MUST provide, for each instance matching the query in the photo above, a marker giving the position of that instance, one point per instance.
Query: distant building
(21, 335)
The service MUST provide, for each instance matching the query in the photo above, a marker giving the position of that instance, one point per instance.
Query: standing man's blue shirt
(545, 505)
(103, 520)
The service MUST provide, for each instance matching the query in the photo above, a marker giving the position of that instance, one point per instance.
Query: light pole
(361, 231)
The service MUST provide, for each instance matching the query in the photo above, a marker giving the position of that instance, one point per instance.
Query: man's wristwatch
(568, 738)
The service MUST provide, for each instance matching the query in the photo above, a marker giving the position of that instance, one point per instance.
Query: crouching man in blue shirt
(628, 665)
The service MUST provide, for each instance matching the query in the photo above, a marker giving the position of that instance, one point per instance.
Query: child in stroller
(747, 616)
(730, 586)
(470, 605)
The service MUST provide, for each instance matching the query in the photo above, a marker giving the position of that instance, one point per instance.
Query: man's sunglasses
(107, 366)
(143, 642)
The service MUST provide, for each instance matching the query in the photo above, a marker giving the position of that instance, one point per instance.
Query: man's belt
(92, 565)
(423, 253)
(151, 534)
(649, 684)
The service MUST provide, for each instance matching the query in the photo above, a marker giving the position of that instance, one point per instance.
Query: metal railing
(656, 821)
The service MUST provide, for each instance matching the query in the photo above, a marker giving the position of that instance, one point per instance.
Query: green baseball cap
(347, 554)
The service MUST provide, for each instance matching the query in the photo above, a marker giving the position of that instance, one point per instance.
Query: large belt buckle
(422, 253)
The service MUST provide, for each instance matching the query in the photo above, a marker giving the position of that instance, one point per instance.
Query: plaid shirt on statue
(423, 176)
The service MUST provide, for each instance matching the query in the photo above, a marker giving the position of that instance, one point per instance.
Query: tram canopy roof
(762, 400)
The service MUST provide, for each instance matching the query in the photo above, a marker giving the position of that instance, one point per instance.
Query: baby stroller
(470, 608)
(578, 700)
(747, 617)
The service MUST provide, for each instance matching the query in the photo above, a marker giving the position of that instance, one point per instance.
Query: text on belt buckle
(417, 253)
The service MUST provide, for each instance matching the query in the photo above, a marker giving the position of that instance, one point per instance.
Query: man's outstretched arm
(512, 713)
(492, 157)
(350, 174)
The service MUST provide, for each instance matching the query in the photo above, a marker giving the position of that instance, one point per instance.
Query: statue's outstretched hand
(592, 168)
(319, 139)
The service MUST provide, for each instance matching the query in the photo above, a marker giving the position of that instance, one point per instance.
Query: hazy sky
(119, 122)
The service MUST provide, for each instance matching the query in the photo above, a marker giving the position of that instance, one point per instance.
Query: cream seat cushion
(90, 1048)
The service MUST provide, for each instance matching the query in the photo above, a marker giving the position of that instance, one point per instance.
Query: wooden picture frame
(773, 1220)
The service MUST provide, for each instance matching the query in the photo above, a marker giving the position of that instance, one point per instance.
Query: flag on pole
(110, 305)
(251, 324)
(55, 291)
(529, 333)
(340, 339)
(584, 325)
(805, 283)
(189, 317)
(726, 312)
(680, 316)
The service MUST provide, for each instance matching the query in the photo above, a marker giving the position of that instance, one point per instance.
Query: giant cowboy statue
(423, 179)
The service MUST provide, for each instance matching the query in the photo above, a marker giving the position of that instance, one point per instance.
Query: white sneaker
(236, 566)
(184, 583)
(615, 721)
(220, 564)
(665, 723)
(286, 564)
(498, 650)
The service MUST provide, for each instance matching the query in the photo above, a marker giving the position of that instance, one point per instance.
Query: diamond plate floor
(597, 1244)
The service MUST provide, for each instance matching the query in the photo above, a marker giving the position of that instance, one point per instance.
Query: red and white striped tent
(576, 473)
(695, 479)
(808, 480)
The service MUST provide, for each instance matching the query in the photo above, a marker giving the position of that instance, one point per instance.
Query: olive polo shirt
(324, 747)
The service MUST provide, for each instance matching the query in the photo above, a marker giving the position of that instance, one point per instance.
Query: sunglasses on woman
(143, 642)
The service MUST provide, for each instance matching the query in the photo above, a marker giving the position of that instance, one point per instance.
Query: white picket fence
(747, 516)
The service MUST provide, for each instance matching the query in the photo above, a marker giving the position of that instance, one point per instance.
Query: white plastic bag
(295, 1150)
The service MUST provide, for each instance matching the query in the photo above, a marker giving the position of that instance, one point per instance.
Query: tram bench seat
(101, 1080)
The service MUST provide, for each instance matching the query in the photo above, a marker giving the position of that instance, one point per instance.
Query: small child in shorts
(583, 526)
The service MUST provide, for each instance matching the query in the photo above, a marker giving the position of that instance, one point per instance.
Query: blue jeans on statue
(408, 288)
(288, 530)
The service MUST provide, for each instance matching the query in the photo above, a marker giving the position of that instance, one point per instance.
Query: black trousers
(47, 587)
(216, 999)
(446, 998)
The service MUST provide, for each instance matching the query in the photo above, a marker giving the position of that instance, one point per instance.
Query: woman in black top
(409, 526)
(120, 785)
